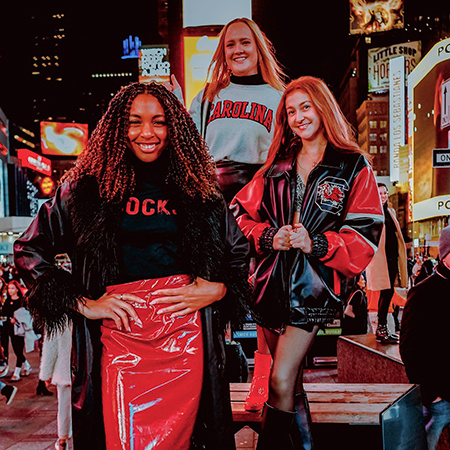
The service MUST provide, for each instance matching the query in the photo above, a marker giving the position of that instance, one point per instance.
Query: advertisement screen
(154, 64)
(368, 16)
(197, 13)
(63, 139)
(430, 132)
(198, 52)
(378, 63)
(34, 161)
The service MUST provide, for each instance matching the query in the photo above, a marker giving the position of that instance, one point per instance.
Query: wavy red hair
(336, 128)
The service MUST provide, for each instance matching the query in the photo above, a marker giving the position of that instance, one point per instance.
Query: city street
(29, 423)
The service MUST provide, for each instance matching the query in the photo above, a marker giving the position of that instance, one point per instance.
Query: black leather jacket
(77, 222)
(341, 202)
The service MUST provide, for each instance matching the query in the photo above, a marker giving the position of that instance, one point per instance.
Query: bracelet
(266, 238)
(319, 246)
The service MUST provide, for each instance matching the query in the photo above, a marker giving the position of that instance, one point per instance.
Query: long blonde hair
(336, 128)
(270, 68)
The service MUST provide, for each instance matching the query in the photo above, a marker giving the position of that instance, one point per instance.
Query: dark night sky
(309, 37)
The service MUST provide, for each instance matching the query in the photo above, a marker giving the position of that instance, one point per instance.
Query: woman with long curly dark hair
(159, 267)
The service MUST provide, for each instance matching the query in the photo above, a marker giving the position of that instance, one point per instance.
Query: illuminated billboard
(197, 13)
(198, 52)
(34, 161)
(378, 63)
(396, 114)
(429, 130)
(63, 139)
(368, 16)
(154, 64)
(131, 47)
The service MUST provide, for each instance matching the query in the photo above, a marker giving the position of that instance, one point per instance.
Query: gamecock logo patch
(331, 194)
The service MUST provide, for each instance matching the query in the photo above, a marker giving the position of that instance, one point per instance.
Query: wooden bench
(389, 416)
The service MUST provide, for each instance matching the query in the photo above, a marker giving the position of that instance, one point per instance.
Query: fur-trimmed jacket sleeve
(52, 294)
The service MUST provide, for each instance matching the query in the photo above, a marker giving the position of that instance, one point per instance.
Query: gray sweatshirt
(241, 122)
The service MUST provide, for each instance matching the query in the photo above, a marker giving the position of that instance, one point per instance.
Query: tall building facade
(373, 133)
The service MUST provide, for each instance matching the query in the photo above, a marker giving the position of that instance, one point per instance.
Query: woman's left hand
(299, 238)
(188, 299)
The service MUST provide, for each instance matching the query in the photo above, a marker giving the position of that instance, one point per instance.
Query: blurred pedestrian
(425, 341)
(426, 269)
(4, 368)
(355, 315)
(55, 367)
(14, 331)
(313, 218)
(416, 267)
(9, 392)
(159, 266)
(388, 269)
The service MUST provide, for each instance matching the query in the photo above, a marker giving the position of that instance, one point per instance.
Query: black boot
(275, 429)
(384, 336)
(42, 389)
(301, 428)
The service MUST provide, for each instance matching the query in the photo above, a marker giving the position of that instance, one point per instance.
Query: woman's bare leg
(288, 351)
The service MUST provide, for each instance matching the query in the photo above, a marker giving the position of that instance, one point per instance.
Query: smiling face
(302, 116)
(241, 54)
(148, 134)
(12, 290)
(383, 194)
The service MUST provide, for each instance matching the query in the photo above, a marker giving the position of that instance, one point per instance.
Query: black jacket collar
(332, 158)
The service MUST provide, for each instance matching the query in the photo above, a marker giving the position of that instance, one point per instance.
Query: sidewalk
(29, 423)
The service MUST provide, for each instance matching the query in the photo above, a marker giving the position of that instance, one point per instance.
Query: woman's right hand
(174, 87)
(116, 307)
(281, 240)
(173, 84)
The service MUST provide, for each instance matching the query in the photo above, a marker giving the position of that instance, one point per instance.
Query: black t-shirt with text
(149, 229)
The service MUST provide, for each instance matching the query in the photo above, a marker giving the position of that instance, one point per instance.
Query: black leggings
(387, 294)
(18, 344)
(383, 305)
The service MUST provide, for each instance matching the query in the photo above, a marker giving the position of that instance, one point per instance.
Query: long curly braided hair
(191, 167)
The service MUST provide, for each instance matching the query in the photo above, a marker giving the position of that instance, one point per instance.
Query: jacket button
(221, 366)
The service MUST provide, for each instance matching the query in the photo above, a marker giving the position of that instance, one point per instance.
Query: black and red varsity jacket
(342, 202)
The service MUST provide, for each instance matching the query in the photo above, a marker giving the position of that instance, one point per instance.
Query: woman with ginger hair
(159, 266)
(313, 217)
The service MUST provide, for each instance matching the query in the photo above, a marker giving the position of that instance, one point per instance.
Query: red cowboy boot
(259, 390)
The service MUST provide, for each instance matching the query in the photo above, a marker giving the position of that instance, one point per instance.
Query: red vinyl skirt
(151, 376)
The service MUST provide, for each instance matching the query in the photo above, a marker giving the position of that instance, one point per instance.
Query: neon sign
(131, 47)
(34, 161)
